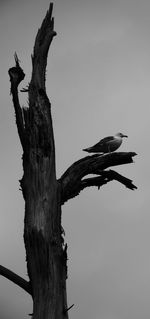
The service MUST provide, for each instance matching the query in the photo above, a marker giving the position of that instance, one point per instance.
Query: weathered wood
(72, 182)
(46, 257)
(45, 250)
(16, 76)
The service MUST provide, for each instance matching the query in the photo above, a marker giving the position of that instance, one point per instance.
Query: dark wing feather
(104, 140)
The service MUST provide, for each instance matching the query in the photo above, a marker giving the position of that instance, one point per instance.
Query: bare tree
(46, 251)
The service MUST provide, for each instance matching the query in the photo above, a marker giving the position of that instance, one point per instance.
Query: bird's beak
(124, 135)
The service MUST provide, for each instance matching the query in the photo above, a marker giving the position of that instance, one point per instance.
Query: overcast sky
(98, 81)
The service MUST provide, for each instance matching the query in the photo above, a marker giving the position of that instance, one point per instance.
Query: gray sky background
(98, 81)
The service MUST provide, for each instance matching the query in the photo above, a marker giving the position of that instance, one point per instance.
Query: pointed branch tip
(16, 73)
(51, 8)
(66, 310)
(16, 59)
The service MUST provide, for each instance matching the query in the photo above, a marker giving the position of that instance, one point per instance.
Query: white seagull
(107, 144)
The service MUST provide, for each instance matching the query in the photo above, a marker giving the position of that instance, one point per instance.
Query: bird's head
(121, 135)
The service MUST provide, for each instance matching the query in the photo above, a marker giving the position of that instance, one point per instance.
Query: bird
(107, 144)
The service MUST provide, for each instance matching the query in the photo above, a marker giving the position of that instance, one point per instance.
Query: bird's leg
(109, 151)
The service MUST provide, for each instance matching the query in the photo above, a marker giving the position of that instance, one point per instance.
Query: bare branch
(16, 76)
(107, 176)
(72, 181)
(16, 73)
(19, 281)
(42, 43)
(112, 175)
(65, 310)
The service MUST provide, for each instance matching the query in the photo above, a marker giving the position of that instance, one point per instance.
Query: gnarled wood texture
(72, 181)
(45, 251)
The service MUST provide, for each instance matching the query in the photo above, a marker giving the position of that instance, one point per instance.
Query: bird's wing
(105, 140)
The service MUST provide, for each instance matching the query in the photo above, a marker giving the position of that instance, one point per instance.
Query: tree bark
(46, 253)
(73, 181)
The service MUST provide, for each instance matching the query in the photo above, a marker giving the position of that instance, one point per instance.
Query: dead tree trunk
(46, 252)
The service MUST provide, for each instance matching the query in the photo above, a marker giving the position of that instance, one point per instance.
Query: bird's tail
(89, 149)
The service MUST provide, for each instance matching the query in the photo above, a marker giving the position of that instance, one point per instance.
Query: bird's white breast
(116, 141)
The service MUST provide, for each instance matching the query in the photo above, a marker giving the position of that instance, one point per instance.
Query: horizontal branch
(72, 181)
(19, 281)
(112, 175)
(107, 176)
